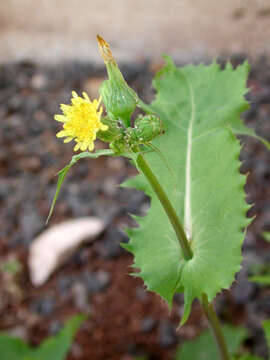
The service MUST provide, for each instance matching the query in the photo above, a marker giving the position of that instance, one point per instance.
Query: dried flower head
(105, 50)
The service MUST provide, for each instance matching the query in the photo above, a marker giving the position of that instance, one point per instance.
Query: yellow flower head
(81, 121)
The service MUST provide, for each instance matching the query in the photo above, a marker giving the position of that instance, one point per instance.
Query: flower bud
(113, 132)
(147, 128)
(119, 146)
(120, 100)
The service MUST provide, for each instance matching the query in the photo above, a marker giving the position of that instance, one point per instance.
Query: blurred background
(52, 31)
(47, 49)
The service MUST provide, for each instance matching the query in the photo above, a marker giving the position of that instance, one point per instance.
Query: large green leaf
(205, 348)
(200, 107)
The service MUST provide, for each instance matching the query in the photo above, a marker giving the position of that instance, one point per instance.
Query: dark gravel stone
(135, 351)
(96, 281)
(80, 258)
(44, 306)
(110, 247)
(148, 324)
(135, 201)
(31, 223)
(64, 283)
(167, 335)
(141, 294)
(262, 305)
(243, 291)
(179, 298)
(256, 342)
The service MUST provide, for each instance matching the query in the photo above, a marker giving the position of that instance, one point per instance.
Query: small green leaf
(57, 347)
(53, 348)
(205, 348)
(12, 348)
(250, 357)
(260, 279)
(11, 266)
(266, 327)
(266, 235)
(62, 173)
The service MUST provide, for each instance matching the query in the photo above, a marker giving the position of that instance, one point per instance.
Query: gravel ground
(125, 321)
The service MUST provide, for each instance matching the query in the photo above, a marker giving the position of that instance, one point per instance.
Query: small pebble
(167, 335)
(96, 281)
(243, 292)
(148, 324)
(44, 306)
(80, 297)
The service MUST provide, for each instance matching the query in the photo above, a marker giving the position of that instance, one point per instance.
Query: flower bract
(81, 121)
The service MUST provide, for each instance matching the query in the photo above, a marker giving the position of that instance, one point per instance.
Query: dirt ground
(56, 30)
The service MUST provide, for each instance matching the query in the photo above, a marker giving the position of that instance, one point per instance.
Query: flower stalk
(215, 327)
(165, 202)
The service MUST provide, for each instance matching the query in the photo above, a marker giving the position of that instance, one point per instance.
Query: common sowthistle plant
(185, 148)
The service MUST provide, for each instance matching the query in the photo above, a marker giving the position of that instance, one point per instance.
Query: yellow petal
(84, 146)
(104, 127)
(100, 111)
(91, 146)
(61, 133)
(65, 108)
(68, 139)
(85, 96)
(60, 118)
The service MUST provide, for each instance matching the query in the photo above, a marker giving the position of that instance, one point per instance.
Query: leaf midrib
(187, 201)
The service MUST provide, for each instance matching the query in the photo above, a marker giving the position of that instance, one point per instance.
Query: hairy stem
(215, 327)
(208, 308)
(169, 209)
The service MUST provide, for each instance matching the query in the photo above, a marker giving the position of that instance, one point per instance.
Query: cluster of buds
(120, 102)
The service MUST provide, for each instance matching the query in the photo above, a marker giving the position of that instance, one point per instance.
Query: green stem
(208, 308)
(215, 327)
(146, 108)
(170, 211)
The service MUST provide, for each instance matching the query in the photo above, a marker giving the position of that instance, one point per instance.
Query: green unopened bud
(147, 128)
(113, 132)
(119, 146)
(120, 100)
